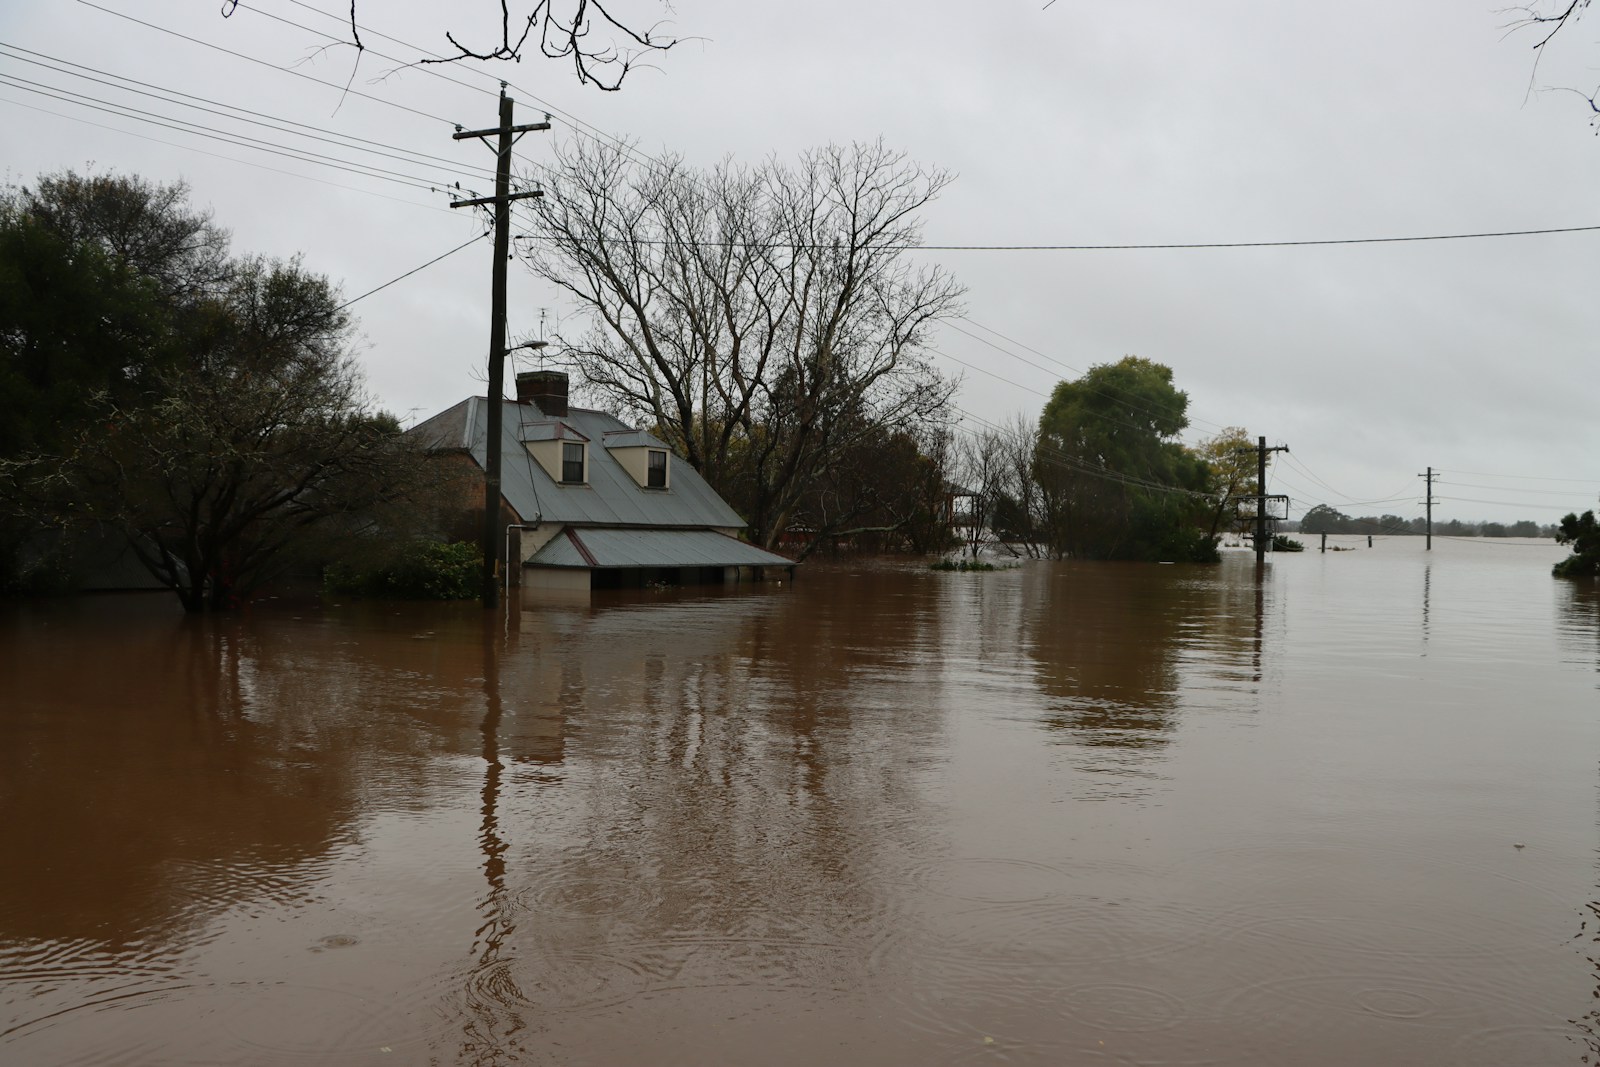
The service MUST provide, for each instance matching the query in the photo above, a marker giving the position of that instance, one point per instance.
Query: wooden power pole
(501, 200)
(1261, 496)
(1428, 544)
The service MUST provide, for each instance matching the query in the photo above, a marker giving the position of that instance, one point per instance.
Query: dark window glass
(572, 463)
(658, 471)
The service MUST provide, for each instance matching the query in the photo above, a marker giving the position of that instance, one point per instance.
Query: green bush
(1283, 543)
(1582, 532)
(422, 570)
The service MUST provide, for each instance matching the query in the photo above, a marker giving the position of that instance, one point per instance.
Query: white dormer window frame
(574, 461)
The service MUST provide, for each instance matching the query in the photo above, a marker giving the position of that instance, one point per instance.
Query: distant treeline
(1324, 519)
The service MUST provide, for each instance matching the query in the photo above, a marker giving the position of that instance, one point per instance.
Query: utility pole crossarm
(506, 199)
(532, 127)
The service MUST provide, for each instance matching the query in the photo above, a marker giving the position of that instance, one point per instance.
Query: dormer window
(572, 464)
(658, 470)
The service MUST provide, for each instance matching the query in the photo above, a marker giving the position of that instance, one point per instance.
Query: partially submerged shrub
(422, 570)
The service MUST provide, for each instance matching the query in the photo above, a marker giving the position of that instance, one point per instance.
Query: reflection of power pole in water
(501, 201)
(1427, 588)
(1261, 595)
(1428, 545)
(487, 1013)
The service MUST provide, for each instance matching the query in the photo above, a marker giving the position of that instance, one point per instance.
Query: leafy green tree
(1232, 460)
(1324, 519)
(204, 406)
(93, 274)
(1117, 483)
(1582, 532)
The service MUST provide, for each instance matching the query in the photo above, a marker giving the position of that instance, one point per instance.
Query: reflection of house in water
(593, 502)
(738, 762)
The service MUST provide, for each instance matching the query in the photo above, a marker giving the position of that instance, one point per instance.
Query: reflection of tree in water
(1110, 642)
(155, 770)
(1102, 637)
(1578, 630)
(1578, 623)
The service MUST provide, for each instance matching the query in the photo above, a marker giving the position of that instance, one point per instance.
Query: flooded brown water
(1065, 814)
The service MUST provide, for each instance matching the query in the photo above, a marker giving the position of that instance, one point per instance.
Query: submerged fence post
(1324, 540)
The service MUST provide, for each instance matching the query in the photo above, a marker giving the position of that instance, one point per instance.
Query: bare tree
(766, 321)
(601, 46)
(1547, 19)
(981, 468)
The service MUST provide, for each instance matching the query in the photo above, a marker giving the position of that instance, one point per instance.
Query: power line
(1513, 489)
(1106, 391)
(243, 114)
(219, 155)
(1151, 246)
(239, 140)
(412, 271)
(272, 66)
(1319, 242)
(918, 247)
(1523, 477)
(1508, 503)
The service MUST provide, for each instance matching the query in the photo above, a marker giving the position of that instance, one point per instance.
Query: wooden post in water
(1324, 540)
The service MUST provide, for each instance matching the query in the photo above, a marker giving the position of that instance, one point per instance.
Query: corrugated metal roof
(548, 430)
(631, 439)
(610, 498)
(605, 548)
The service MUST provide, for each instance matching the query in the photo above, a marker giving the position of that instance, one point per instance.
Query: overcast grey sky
(1072, 124)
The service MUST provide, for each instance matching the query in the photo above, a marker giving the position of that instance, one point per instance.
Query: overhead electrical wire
(233, 112)
(1064, 366)
(412, 271)
(622, 144)
(1129, 246)
(1511, 489)
(211, 133)
(272, 66)
(1507, 503)
(1517, 477)
(219, 155)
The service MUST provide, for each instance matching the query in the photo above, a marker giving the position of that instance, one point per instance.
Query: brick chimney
(546, 388)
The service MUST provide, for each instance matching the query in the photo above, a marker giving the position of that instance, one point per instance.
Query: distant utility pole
(1429, 476)
(1261, 496)
(501, 199)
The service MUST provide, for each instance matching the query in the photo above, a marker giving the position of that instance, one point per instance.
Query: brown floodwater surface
(1341, 812)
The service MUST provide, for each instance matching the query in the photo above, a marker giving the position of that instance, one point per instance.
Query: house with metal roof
(591, 502)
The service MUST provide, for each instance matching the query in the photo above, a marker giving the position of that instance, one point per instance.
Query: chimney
(546, 388)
